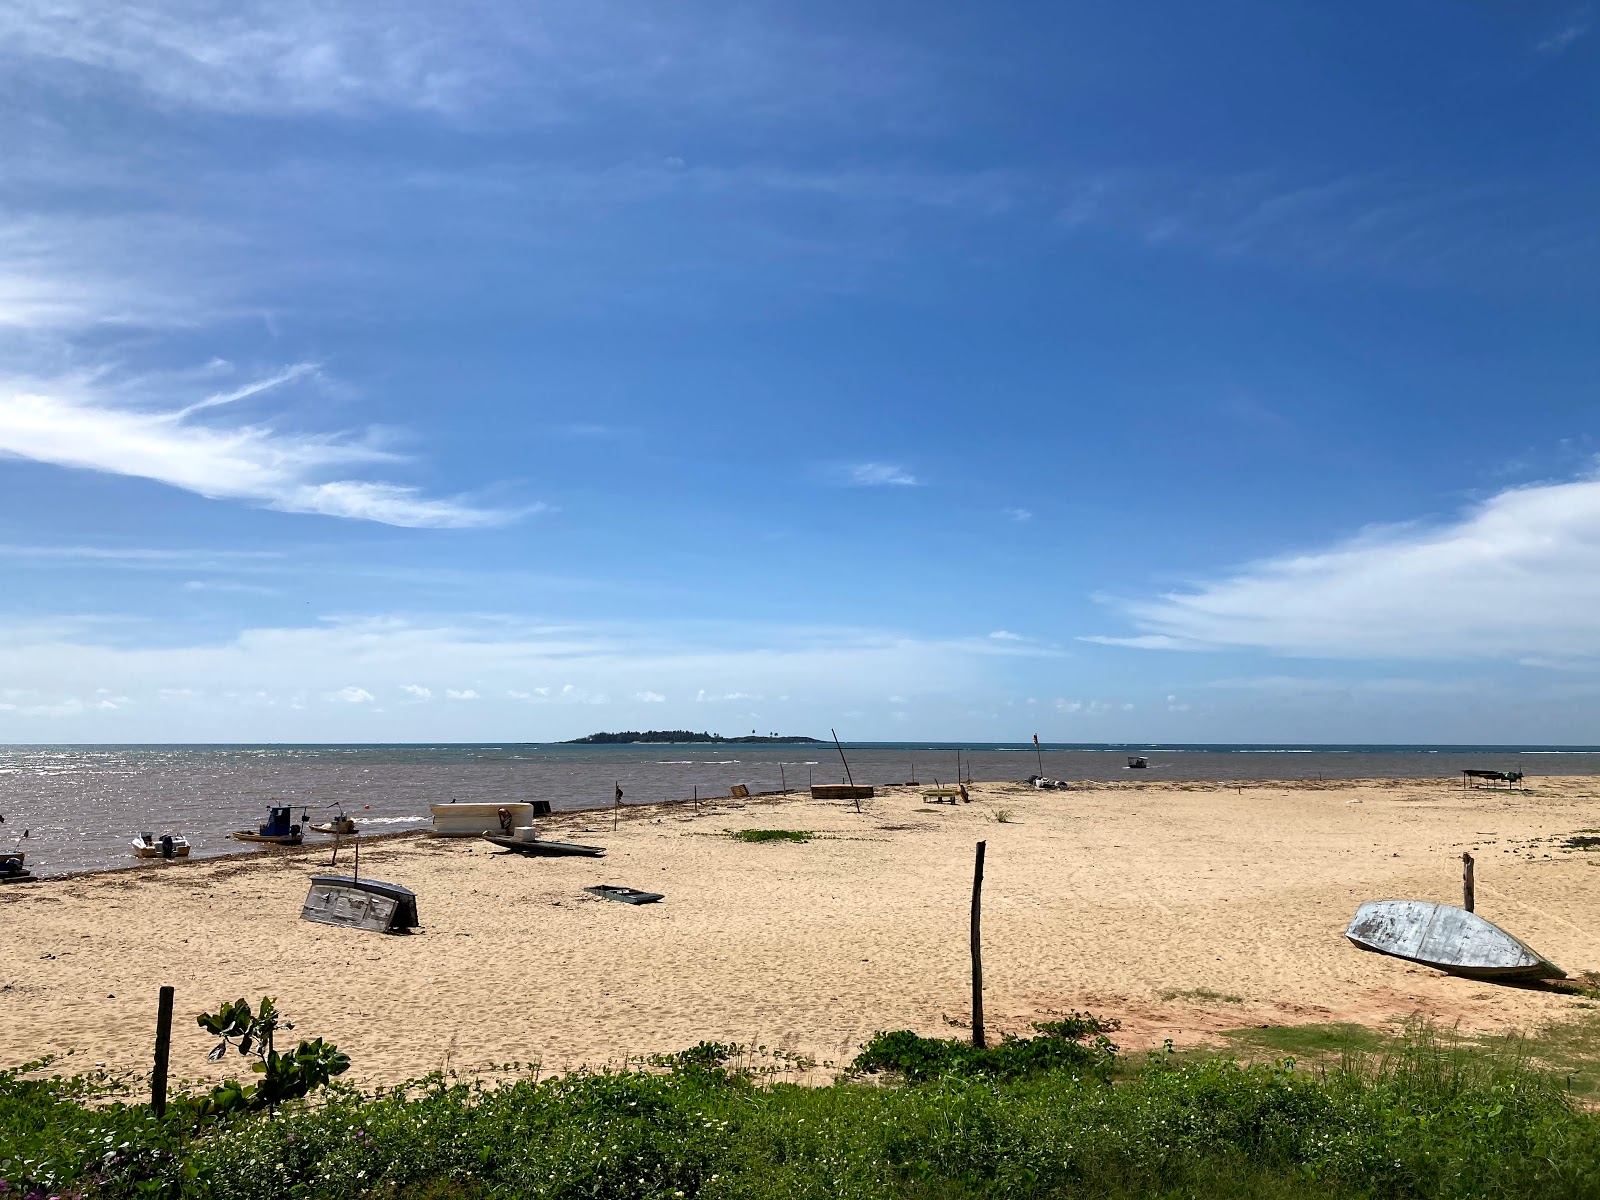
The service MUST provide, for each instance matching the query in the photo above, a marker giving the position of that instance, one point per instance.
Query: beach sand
(1155, 903)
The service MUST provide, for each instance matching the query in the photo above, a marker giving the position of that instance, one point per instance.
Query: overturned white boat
(475, 820)
(168, 845)
(1448, 939)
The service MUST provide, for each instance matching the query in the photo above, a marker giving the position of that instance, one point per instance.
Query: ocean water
(82, 805)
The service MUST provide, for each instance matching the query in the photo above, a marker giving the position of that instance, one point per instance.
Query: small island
(670, 736)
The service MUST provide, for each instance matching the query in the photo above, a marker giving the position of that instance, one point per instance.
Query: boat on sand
(522, 841)
(1447, 938)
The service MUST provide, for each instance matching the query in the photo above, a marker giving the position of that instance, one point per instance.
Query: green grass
(1310, 1042)
(1421, 1119)
(1003, 815)
(771, 835)
(1202, 996)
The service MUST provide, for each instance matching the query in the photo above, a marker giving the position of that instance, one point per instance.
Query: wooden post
(697, 797)
(1469, 887)
(783, 780)
(1038, 754)
(616, 806)
(846, 763)
(158, 1077)
(977, 949)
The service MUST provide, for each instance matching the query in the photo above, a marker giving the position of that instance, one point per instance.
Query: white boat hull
(1448, 939)
(154, 849)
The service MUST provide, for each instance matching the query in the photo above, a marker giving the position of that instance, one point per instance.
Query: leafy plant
(771, 835)
(290, 1076)
(1060, 1047)
(1003, 815)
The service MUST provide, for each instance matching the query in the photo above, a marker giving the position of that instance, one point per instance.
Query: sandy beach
(1183, 909)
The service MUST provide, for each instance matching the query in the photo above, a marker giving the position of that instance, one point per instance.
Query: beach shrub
(1426, 1122)
(310, 1065)
(772, 835)
(1077, 1043)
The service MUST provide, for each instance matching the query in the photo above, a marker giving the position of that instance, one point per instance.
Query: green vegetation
(771, 835)
(1424, 1119)
(1060, 1046)
(1201, 996)
(309, 1066)
(1003, 815)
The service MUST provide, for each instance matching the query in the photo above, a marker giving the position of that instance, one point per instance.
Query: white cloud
(649, 697)
(1559, 41)
(295, 683)
(1020, 515)
(1005, 635)
(300, 56)
(69, 424)
(1517, 576)
(417, 690)
(876, 474)
(228, 585)
(466, 694)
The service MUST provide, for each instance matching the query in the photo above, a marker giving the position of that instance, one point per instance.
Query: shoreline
(1184, 910)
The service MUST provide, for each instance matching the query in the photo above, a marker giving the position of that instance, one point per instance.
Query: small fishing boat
(626, 895)
(1137, 762)
(168, 845)
(12, 869)
(359, 903)
(533, 846)
(279, 829)
(340, 826)
(1447, 938)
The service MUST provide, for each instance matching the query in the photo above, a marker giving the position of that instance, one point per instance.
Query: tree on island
(657, 736)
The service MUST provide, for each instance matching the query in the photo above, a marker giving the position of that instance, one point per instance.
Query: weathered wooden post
(783, 780)
(1469, 887)
(848, 773)
(977, 949)
(158, 1077)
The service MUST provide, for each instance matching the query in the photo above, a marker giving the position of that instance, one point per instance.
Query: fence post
(158, 1077)
(977, 949)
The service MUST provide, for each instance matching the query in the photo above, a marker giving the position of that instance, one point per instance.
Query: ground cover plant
(772, 835)
(1426, 1119)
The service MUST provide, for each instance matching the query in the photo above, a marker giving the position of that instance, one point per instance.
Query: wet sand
(1183, 909)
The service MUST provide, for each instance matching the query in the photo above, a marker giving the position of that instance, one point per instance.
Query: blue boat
(280, 828)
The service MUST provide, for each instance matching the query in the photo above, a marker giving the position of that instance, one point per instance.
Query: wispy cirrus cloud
(1516, 577)
(540, 64)
(74, 422)
(874, 474)
(1577, 25)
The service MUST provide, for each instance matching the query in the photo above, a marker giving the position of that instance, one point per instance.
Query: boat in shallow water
(168, 845)
(280, 829)
(1447, 938)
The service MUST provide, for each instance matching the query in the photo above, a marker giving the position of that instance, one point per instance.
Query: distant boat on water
(1137, 762)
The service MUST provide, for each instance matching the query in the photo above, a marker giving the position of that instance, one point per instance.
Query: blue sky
(402, 371)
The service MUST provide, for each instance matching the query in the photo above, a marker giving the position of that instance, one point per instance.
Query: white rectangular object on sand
(474, 820)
